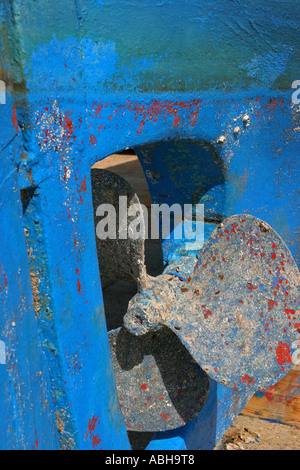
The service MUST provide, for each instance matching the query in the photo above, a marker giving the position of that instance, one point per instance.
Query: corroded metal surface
(239, 312)
(159, 384)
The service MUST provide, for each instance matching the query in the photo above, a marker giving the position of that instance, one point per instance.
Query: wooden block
(280, 403)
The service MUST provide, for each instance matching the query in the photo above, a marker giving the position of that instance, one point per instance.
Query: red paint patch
(95, 440)
(90, 431)
(165, 109)
(14, 118)
(289, 311)
(92, 425)
(207, 313)
(68, 124)
(83, 185)
(93, 139)
(283, 353)
(248, 380)
(271, 304)
(250, 286)
(98, 108)
(36, 440)
(176, 121)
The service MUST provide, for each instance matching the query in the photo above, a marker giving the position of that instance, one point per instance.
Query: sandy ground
(257, 434)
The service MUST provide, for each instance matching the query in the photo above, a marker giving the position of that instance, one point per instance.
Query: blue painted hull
(82, 83)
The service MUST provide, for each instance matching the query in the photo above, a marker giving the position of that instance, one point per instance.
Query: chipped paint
(78, 89)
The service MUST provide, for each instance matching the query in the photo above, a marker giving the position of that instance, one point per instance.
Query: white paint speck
(2, 353)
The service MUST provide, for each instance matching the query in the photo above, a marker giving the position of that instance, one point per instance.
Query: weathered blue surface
(91, 78)
(26, 409)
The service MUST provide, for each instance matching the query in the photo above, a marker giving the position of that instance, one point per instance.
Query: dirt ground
(257, 434)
